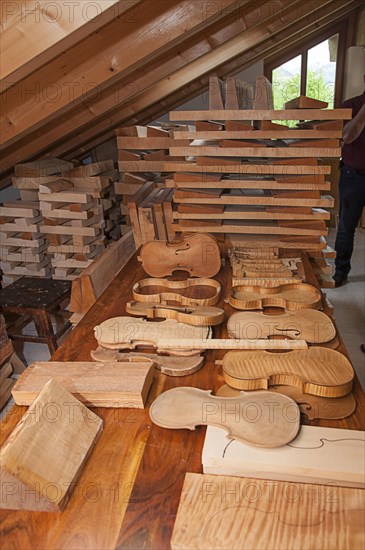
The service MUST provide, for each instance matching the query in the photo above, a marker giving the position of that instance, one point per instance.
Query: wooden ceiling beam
(85, 139)
(115, 51)
(58, 25)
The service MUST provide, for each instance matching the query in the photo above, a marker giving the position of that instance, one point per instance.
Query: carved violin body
(276, 419)
(289, 296)
(198, 254)
(186, 293)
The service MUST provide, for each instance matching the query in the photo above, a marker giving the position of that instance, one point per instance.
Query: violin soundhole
(184, 249)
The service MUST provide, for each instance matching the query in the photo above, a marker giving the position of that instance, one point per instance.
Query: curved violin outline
(162, 297)
(271, 297)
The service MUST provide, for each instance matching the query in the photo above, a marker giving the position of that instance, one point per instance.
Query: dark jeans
(352, 201)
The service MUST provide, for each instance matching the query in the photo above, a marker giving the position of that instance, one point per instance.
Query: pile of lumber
(9, 364)
(258, 183)
(23, 245)
(142, 152)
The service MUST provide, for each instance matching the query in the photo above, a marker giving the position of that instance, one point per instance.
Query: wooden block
(199, 194)
(5, 394)
(140, 144)
(263, 94)
(133, 131)
(127, 156)
(66, 197)
(237, 126)
(276, 166)
(200, 209)
(247, 114)
(87, 170)
(320, 143)
(204, 126)
(43, 458)
(239, 94)
(113, 384)
(251, 514)
(133, 178)
(237, 144)
(304, 102)
(196, 177)
(29, 195)
(271, 126)
(216, 93)
(318, 455)
(70, 230)
(32, 183)
(20, 209)
(55, 186)
(97, 277)
(256, 150)
(133, 203)
(154, 131)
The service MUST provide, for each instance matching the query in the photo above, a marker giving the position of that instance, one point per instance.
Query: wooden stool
(33, 298)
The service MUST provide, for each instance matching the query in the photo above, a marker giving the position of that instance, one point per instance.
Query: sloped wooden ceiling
(72, 74)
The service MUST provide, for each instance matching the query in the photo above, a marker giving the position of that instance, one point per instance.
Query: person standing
(351, 186)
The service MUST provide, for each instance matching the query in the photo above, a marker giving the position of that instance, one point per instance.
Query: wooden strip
(246, 168)
(260, 134)
(287, 114)
(230, 213)
(248, 184)
(326, 201)
(143, 143)
(244, 228)
(270, 152)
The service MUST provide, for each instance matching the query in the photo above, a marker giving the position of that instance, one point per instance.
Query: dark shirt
(353, 154)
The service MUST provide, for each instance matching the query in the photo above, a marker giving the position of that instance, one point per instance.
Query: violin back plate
(198, 254)
(290, 296)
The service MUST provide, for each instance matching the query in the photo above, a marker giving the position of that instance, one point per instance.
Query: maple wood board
(45, 453)
(262, 114)
(270, 152)
(188, 407)
(141, 143)
(245, 228)
(317, 455)
(309, 324)
(112, 384)
(233, 513)
(79, 197)
(317, 370)
(248, 184)
(169, 365)
(256, 213)
(248, 168)
(324, 201)
(304, 102)
(259, 134)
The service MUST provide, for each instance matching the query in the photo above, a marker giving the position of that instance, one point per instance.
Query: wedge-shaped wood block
(43, 457)
(197, 254)
(316, 370)
(260, 418)
(291, 296)
(308, 324)
(113, 384)
(317, 455)
(233, 513)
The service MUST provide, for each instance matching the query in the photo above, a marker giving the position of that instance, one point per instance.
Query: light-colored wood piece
(140, 291)
(233, 513)
(317, 370)
(112, 384)
(182, 344)
(197, 254)
(308, 324)
(313, 407)
(276, 416)
(291, 297)
(317, 455)
(249, 184)
(263, 94)
(55, 186)
(169, 365)
(257, 151)
(216, 93)
(250, 133)
(247, 114)
(45, 453)
(249, 168)
(201, 316)
(304, 102)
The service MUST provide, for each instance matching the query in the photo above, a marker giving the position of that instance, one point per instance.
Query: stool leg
(44, 328)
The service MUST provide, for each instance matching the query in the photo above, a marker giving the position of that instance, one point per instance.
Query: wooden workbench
(129, 490)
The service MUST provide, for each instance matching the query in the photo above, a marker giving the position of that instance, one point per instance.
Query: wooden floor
(129, 491)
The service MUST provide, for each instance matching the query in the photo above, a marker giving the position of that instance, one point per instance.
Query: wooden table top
(129, 491)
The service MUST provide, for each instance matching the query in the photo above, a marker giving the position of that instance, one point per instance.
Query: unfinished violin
(308, 324)
(186, 293)
(199, 316)
(198, 254)
(318, 371)
(289, 296)
(258, 418)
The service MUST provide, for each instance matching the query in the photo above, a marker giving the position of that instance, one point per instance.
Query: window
(311, 70)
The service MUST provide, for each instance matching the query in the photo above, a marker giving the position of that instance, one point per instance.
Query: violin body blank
(198, 254)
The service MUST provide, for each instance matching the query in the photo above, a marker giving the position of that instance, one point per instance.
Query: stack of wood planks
(9, 364)
(142, 152)
(23, 244)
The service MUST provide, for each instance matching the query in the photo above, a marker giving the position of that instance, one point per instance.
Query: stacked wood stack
(142, 152)
(263, 176)
(23, 244)
(9, 364)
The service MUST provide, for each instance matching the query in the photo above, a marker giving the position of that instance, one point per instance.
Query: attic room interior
(182, 272)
